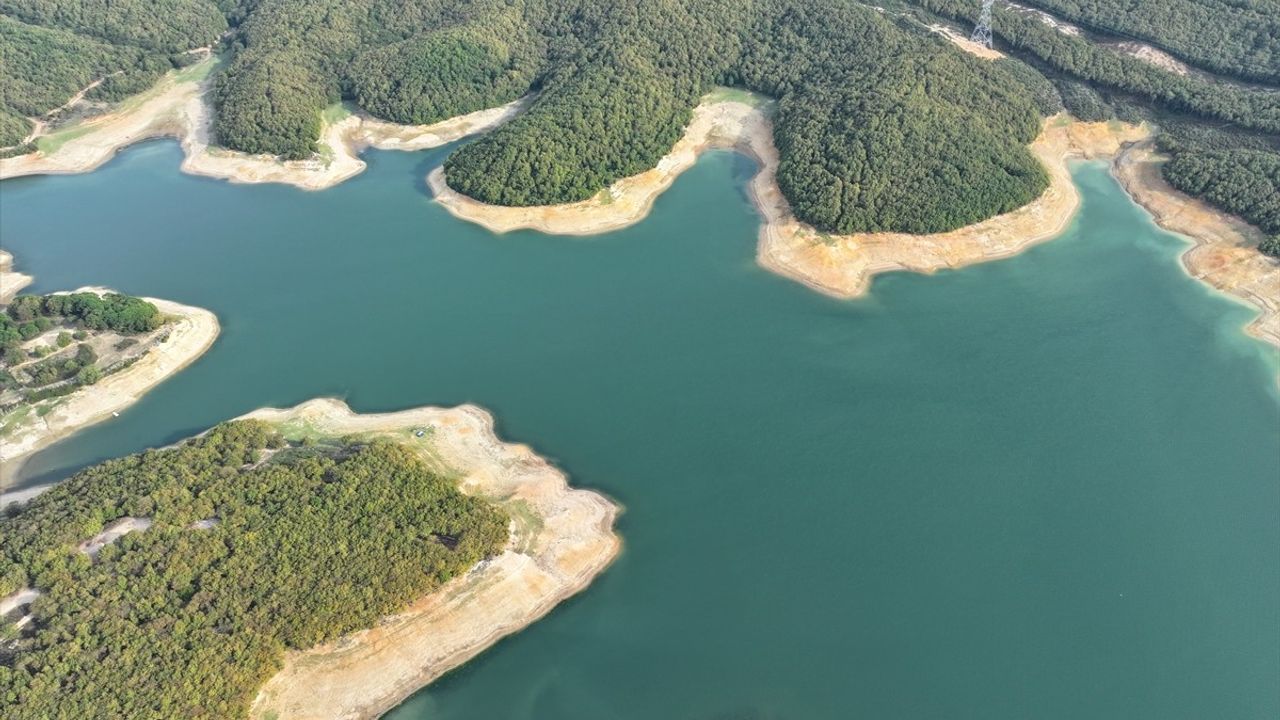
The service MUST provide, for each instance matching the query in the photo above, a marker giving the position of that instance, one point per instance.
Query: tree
(88, 375)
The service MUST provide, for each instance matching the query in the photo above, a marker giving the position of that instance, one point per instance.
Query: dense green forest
(52, 49)
(615, 101)
(162, 25)
(1230, 165)
(879, 128)
(454, 71)
(865, 143)
(880, 124)
(1235, 37)
(294, 57)
(1243, 182)
(1082, 59)
(302, 543)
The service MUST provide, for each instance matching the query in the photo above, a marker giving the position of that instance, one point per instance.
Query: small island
(294, 563)
(68, 360)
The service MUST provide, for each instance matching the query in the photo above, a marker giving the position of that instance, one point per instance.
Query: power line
(982, 31)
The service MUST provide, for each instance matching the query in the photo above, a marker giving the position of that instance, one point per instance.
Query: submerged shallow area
(1042, 487)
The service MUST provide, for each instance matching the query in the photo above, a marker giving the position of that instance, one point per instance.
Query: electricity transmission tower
(982, 31)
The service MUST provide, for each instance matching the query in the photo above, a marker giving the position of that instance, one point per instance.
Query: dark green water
(1047, 487)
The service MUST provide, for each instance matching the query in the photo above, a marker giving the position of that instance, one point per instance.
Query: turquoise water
(1047, 487)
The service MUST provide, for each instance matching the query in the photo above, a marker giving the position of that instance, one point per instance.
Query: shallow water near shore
(1046, 487)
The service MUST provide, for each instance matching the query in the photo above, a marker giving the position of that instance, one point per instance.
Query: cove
(1043, 487)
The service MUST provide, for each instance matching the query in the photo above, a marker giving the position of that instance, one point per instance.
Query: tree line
(1081, 58)
(1243, 182)
(1231, 166)
(1233, 37)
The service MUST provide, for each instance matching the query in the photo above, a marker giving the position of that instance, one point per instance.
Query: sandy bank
(11, 283)
(1224, 248)
(176, 107)
(561, 539)
(191, 333)
(966, 44)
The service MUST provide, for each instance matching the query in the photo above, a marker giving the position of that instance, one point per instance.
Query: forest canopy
(880, 123)
(255, 546)
(1222, 136)
(1234, 37)
(52, 49)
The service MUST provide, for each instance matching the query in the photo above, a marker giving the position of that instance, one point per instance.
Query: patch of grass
(528, 523)
(297, 430)
(51, 143)
(199, 71)
(13, 419)
(728, 94)
(335, 113)
(326, 154)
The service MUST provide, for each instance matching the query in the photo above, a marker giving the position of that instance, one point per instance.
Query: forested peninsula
(177, 582)
(881, 124)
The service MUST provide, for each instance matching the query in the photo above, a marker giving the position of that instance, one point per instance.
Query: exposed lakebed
(1042, 487)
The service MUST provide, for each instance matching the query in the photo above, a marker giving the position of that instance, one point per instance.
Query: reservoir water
(1047, 487)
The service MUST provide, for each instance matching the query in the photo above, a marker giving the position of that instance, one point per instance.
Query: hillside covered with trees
(880, 123)
(1233, 37)
(255, 546)
(52, 49)
(1223, 138)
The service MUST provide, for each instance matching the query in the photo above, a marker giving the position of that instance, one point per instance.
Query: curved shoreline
(1223, 251)
(843, 265)
(190, 335)
(561, 539)
(176, 107)
(838, 265)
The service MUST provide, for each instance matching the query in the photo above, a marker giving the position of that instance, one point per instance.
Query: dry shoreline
(844, 265)
(190, 335)
(838, 265)
(1223, 250)
(176, 107)
(11, 283)
(561, 539)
